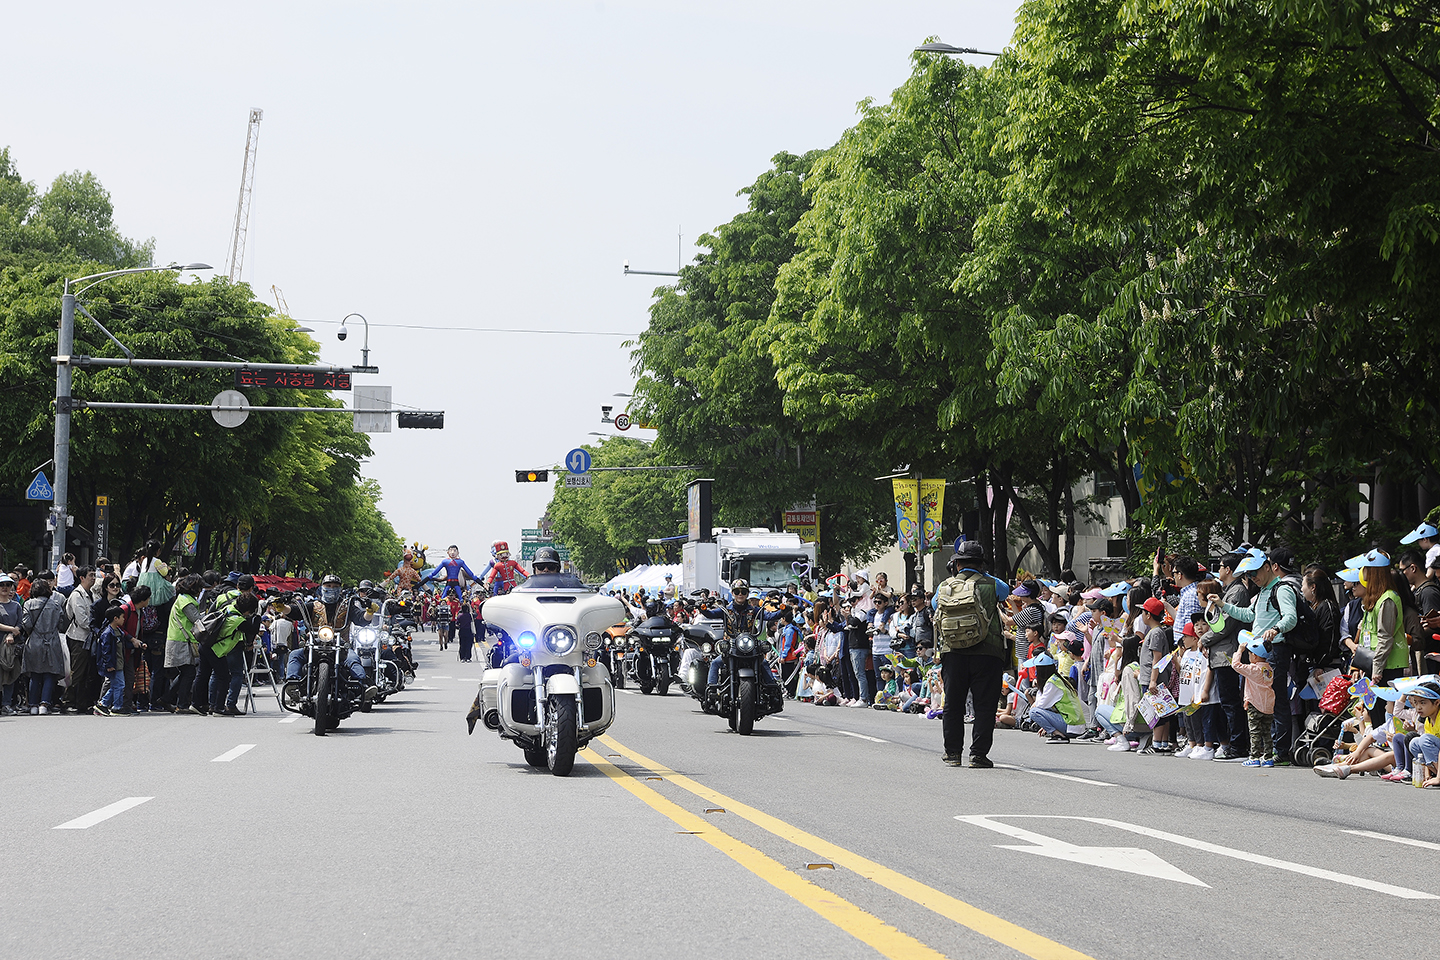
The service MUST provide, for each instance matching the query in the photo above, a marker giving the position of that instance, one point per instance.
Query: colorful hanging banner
(932, 506)
(242, 542)
(907, 514)
(190, 538)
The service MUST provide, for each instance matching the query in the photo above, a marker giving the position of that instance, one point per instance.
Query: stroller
(1315, 745)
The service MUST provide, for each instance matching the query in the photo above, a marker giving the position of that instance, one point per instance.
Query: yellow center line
(863, 926)
(987, 924)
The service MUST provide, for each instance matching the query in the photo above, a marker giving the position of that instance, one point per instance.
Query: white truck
(766, 559)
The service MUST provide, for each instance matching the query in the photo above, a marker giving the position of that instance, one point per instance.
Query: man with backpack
(973, 649)
(1275, 612)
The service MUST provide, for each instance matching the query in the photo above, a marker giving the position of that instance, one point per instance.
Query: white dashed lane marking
(229, 755)
(103, 814)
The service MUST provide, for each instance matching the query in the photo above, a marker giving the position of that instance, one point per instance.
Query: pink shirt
(1259, 676)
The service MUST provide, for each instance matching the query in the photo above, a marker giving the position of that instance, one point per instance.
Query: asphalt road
(832, 832)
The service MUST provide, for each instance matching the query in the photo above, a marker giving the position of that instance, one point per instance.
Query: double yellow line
(884, 938)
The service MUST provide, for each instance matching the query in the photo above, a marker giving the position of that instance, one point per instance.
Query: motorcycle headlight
(592, 642)
(745, 645)
(364, 636)
(706, 647)
(526, 639)
(560, 640)
(326, 635)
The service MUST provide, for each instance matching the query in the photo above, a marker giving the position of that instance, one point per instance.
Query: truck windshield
(771, 572)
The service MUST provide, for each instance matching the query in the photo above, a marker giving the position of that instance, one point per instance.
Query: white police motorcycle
(552, 695)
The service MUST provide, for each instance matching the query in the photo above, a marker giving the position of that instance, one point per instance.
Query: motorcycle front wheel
(322, 698)
(662, 682)
(745, 708)
(536, 757)
(560, 734)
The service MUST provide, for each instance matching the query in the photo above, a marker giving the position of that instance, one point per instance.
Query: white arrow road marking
(1318, 873)
(104, 813)
(229, 755)
(861, 736)
(440, 677)
(1057, 776)
(1405, 840)
(1126, 859)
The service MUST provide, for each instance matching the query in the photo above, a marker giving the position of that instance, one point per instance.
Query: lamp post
(66, 345)
(947, 49)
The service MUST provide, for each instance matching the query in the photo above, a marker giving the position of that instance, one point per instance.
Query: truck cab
(764, 558)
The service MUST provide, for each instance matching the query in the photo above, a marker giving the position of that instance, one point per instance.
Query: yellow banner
(907, 514)
(932, 506)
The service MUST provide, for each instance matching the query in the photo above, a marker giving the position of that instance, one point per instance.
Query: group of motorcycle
(326, 689)
(656, 651)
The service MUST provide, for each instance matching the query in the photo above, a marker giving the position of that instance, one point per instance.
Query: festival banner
(242, 541)
(804, 520)
(932, 505)
(907, 514)
(190, 538)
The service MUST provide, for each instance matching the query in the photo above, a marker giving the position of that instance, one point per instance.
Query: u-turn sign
(578, 460)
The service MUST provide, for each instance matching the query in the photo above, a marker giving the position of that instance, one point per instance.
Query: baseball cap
(1061, 591)
(1020, 591)
(1094, 593)
(1154, 607)
(1188, 630)
(1420, 533)
(6, 578)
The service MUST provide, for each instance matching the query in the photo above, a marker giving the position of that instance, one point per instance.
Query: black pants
(155, 661)
(978, 676)
(1229, 685)
(1280, 727)
(180, 682)
(209, 664)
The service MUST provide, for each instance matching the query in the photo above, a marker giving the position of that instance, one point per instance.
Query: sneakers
(1223, 753)
(1123, 746)
(1268, 763)
(34, 711)
(1396, 776)
(981, 763)
(1333, 771)
(1185, 752)
(1252, 762)
(1202, 753)
(953, 760)
(101, 710)
(44, 709)
(1057, 738)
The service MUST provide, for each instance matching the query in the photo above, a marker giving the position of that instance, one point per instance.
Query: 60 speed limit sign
(622, 421)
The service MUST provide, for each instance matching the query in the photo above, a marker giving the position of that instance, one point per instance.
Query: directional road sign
(578, 461)
(40, 489)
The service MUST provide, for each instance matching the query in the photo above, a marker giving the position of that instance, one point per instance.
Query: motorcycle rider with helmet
(742, 616)
(330, 610)
(547, 573)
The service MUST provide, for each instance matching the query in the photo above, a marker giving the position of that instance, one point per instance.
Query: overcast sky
(479, 165)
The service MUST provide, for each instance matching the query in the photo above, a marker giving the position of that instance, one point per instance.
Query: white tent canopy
(649, 577)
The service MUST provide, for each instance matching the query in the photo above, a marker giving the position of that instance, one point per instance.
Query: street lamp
(947, 49)
(66, 346)
(365, 349)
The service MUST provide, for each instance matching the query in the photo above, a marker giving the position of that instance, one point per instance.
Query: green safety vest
(1370, 632)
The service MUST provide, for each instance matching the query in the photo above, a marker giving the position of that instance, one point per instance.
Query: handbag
(1363, 659)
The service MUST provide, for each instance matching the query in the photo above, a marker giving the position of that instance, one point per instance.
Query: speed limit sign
(622, 421)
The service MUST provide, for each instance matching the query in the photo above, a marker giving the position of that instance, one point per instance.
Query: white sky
(465, 164)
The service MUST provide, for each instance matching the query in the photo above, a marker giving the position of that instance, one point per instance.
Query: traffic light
(420, 421)
(532, 476)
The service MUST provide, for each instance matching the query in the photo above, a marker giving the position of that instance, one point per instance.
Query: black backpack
(1304, 638)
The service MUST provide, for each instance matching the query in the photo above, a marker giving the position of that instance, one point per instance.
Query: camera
(341, 334)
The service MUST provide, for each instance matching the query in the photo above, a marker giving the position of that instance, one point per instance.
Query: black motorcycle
(743, 694)
(324, 689)
(655, 644)
(698, 642)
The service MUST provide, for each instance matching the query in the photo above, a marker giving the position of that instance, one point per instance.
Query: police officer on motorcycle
(742, 616)
(332, 610)
(547, 573)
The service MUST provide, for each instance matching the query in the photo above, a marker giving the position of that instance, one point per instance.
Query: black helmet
(330, 578)
(966, 551)
(547, 556)
(365, 586)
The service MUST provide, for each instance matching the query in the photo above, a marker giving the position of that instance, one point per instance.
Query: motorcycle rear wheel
(322, 698)
(560, 734)
(536, 757)
(745, 708)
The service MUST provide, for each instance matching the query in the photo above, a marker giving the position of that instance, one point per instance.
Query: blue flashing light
(527, 639)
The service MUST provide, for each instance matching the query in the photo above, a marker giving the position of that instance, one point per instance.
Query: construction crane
(242, 208)
(280, 303)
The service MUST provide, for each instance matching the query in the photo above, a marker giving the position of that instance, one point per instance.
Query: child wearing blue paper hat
(1056, 710)
(1259, 697)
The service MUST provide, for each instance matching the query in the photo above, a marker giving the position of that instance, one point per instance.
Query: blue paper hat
(1349, 575)
(1406, 684)
(1372, 559)
(1116, 589)
(1254, 644)
(1254, 561)
(1387, 693)
(1043, 660)
(1420, 533)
